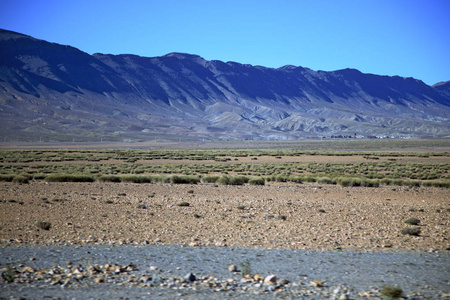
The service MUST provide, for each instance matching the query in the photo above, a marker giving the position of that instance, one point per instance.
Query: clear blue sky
(409, 38)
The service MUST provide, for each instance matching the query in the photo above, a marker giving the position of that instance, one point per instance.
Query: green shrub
(135, 178)
(324, 180)
(10, 274)
(159, 178)
(184, 203)
(238, 180)
(411, 231)
(296, 179)
(210, 178)
(44, 225)
(411, 183)
(392, 292)
(386, 181)
(344, 181)
(412, 221)
(20, 179)
(370, 183)
(257, 181)
(223, 179)
(184, 179)
(39, 176)
(309, 178)
(440, 183)
(281, 178)
(246, 269)
(6, 177)
(110, 178)
(69, 178)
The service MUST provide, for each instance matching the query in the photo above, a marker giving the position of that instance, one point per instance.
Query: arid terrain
(277, 215)
(321, 240)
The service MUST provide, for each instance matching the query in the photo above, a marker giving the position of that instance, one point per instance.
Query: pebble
(189, 277)
(73, 276)
(232, 268)
(271, 279)
(316, 283)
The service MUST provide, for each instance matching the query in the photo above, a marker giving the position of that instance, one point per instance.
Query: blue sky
(408, 38)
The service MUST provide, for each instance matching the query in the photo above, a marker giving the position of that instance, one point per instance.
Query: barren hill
(55, 92)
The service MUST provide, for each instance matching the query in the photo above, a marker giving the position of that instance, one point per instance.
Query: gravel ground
(344, 274)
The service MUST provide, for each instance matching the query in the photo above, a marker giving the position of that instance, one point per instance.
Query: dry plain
(275, 215)
(307, 216)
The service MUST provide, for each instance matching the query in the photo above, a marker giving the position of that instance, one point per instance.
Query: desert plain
(294, 215)
(291, 215)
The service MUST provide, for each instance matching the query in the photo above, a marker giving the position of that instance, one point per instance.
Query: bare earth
(277, 215)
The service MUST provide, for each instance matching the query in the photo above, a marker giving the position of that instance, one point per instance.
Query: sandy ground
(277, 215)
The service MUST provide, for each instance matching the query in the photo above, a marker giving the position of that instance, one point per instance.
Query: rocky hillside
(55, 92)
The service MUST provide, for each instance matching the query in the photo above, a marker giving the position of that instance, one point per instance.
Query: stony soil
(160, 272)
(277, 215)
(278, 228)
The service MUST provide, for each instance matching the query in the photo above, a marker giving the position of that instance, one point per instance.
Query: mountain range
(55, 92)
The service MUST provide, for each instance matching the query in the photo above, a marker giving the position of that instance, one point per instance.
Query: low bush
(281, 178)
(411, 231)
(184, 179)
(412, 221)
(370, 183)
(20, 179)
(439, 183)
(324, 180)
(296, 179)
(184, 203)
(135, 178)
(6, 177)
(238, 180)
(210, 178)
(69, 178)
(391, 292)
(411, 183)
(109, 178)
(223, 179)
(256, 181)
(44, 225)
(309, 178)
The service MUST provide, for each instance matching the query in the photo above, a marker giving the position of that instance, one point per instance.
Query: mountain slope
(58, 92)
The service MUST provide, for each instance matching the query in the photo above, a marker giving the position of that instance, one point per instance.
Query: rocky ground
(277, 215)
(349, 240)
(184, 272)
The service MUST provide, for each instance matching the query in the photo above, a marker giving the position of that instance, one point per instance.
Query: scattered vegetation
(391, 292)
(411, 231)
(45, 225)
(20, 179)
(10, 274)
(412, 221)
(246, 269)
(223, 167)
(69, 178)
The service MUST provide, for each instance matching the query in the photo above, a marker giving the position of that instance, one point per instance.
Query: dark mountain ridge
(52, 91)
